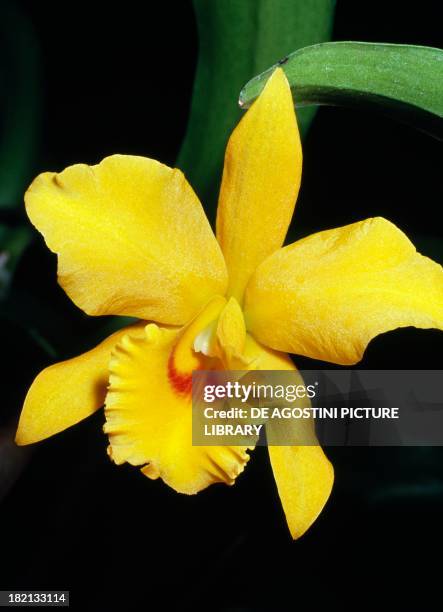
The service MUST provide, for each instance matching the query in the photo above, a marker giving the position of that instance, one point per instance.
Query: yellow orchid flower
(132, 239)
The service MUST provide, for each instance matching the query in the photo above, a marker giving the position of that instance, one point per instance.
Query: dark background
(119, 79)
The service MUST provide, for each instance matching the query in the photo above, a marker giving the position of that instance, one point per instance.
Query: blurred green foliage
(237, 39)
(20, 102)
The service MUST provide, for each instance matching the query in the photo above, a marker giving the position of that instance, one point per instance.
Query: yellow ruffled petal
(67, 392)
(132, 239)
(261, 179)
(304, 478)
(328, 295)
(149, 409)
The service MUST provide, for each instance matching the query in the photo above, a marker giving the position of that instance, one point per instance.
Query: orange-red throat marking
(180, 382)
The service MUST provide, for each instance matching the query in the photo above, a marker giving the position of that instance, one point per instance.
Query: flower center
(193, 351)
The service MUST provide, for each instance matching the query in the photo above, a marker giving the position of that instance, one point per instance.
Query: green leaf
(403, 80)
(239, 38)
(19, 103)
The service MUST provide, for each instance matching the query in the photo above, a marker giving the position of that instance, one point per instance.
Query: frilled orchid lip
(153, 375)
(132, 239)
